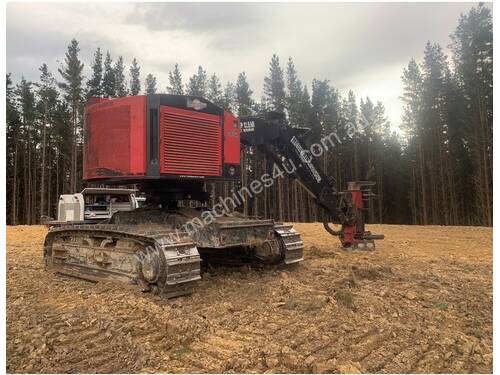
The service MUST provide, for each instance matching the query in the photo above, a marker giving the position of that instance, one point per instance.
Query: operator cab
(94, 205)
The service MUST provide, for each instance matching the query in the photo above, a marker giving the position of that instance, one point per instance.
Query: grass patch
(290, 304)
(180, 351)
(441, 306)
(372, 273)
(316, 303)
(345, 298)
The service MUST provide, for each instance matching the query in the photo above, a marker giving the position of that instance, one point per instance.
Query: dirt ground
(422, 302)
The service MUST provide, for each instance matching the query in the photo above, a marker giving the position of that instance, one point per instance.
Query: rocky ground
(422, 302)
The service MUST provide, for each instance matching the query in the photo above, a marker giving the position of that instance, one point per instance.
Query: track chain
(291, 243)
(155, 260)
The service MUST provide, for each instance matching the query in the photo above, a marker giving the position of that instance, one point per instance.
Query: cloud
(359, 46)
(195, 17)
(226, 26)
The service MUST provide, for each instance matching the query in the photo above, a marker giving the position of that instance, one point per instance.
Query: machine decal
(306, 159)
(196, 104)
(247, 126)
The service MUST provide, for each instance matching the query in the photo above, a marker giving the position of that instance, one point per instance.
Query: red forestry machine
(169, 146)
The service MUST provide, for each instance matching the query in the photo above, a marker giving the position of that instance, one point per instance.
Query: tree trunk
(422, 185)
(413, 198)
(14, 189)
(42, 176)
(58, 190)
(26, 192)
(49, 185)
(380, 197)
(484, 162)
(73, 152)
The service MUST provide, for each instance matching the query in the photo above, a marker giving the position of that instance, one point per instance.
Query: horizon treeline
(437, 170)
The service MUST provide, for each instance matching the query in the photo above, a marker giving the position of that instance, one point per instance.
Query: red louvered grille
(190, 143)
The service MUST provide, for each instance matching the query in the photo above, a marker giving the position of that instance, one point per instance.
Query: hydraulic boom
(285, 146)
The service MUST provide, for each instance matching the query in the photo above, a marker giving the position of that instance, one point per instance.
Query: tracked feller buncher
(169, 147)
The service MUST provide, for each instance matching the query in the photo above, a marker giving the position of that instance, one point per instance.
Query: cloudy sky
(359, 46)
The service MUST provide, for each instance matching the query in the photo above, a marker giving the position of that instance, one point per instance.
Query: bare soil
(422, 302)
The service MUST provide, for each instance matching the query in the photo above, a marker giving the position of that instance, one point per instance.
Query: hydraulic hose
(326, 225)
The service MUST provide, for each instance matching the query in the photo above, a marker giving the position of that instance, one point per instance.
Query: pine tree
(229, 97)
(71, 73)
(108, 81)
(13, 135)
(197, 85)
(176, 86)
(325, 107)
(260, 107)
(94, 84)
(120, 82)
(294, 96)
(215, 94)
(320, 92)
(412, 100)
(433, 127)
(306, 108)
(61, 140)
(472, 44)
(318, 115)
(150, 84)
(27, 110)
(47, 104)
(381, 123)
(353, 131)
(458, 123)
(368, 142)
(274, 86)
(243, 106)
(366, 109)
(373, 148)
(352, 111)
(244, 102)
(135, 79)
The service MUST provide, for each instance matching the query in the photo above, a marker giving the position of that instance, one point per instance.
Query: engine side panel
(115, 138)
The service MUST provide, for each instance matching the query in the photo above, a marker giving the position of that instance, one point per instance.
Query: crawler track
(153, 260)
(287, 247)
(290, 242)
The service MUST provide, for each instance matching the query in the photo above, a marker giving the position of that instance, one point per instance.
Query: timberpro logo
(196, 104)
(247, 126)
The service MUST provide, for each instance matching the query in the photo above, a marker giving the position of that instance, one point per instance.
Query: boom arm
(284, 145)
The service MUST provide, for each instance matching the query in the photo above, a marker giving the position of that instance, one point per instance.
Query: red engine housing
(139, 138)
